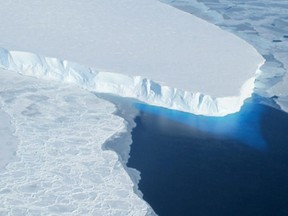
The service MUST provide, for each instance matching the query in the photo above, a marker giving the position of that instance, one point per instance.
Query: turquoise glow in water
(243, 126)
(195, 165)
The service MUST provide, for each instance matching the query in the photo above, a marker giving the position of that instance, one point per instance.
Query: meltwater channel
(212, 166)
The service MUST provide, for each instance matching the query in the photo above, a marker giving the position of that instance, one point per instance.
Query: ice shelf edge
(143, 89)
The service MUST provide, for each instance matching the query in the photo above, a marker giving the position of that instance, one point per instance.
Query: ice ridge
(141, 88)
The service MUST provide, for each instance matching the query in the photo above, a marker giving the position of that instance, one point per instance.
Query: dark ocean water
(205, 166)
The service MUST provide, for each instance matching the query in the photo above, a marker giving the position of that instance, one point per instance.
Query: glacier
(265, 29)
(151, 51)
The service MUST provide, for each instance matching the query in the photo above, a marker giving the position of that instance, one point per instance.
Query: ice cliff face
(122, 85)
(178, 53)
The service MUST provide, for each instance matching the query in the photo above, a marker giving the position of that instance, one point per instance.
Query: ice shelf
(265, 29)
(151, 51)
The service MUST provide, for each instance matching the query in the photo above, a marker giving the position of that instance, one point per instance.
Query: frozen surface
(8, 142)
(123, 85)
(141, 37)
(264, 24)
(61, 168)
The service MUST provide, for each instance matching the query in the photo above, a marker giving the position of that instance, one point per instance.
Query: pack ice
(52, 157)
(140, 49)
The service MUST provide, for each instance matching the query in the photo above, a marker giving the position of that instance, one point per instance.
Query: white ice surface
(122, 85)
(138, 38)
(61, 168)
(266, 29)
(8, 142)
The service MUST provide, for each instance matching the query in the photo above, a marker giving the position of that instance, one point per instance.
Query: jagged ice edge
(143, 89)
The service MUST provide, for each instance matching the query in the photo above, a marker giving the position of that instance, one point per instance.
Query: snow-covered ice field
(8, 142)
(60, 167)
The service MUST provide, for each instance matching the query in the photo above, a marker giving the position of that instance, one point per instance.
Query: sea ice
(8, 142)
(60, 166)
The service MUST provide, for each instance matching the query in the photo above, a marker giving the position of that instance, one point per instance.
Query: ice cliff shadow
(244, 126)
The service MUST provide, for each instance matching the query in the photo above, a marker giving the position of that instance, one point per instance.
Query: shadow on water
(206, 166)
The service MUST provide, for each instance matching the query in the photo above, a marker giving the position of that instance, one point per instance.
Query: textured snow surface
(133, 37)
(8, 142)
(60, 167)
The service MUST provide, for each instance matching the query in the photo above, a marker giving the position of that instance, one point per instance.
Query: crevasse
(137, 87)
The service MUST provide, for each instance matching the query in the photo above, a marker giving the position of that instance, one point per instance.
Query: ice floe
(60, 166)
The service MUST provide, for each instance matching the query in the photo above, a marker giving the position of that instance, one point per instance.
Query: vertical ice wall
(182, 53)
(123, 85)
